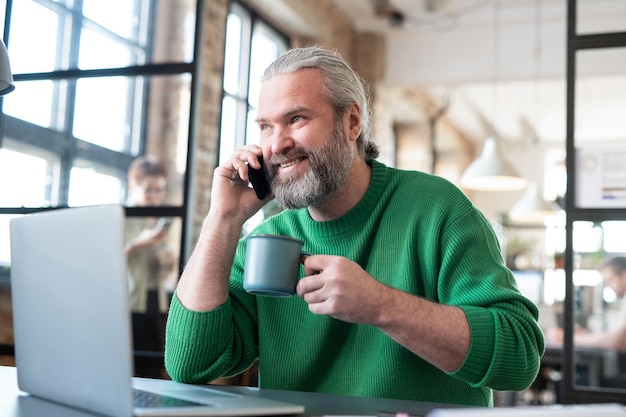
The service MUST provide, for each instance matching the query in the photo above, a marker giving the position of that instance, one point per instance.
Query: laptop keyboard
(146, 399)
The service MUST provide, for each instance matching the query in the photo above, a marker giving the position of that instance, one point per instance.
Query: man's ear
(354, 121)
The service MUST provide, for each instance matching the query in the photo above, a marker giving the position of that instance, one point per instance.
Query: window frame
(67, 148)
(252, 24)
(58, 138)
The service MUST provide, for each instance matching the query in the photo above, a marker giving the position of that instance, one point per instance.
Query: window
(99, 84)
(251, 45)
(95, 88)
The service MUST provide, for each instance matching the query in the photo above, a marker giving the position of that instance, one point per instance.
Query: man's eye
(296, 119)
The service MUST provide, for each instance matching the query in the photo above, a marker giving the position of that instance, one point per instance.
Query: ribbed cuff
(475, 368)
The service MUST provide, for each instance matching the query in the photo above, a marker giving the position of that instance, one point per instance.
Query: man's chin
(291, 200)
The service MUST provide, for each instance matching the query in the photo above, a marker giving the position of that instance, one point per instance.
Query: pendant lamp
(491, 172)
(531, 208)
(6, 78)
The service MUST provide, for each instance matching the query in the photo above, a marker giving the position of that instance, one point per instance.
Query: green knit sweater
(412, 231)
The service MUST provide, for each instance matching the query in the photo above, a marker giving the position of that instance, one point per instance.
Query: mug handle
(304, 255)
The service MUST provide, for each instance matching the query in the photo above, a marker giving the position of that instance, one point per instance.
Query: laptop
(72, 322)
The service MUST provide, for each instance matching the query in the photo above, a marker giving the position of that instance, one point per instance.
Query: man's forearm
(437, 333)
(203, 285)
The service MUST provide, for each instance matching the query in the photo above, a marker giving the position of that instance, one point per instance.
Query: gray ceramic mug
(272, 265)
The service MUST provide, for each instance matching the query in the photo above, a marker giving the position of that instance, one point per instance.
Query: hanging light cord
(495, 63)
(537, 71)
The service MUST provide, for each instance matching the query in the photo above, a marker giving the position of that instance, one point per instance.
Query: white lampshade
(6, 78)
(491, 172)
(531, 208)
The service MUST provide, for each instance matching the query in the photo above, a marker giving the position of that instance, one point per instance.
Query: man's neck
(344, 199)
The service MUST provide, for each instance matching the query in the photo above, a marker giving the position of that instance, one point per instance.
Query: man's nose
(281, 140)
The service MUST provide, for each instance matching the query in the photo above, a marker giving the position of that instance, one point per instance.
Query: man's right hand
(231, 197)
(203, 285)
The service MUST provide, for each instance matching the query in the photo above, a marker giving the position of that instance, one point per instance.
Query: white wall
(463, 51)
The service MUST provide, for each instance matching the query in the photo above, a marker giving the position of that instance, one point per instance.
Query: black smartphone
(259, 179)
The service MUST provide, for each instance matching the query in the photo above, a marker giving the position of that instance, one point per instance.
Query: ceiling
(500, 64)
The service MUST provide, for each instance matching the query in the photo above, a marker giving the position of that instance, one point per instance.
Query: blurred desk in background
(594, 367)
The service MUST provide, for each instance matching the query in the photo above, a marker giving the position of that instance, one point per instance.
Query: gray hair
(342, 87)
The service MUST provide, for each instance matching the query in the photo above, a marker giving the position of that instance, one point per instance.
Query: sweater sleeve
(506, 341)
(203, 346)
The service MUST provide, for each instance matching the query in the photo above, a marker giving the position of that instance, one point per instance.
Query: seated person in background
(150, 261)
(406, 294)
(614, 274)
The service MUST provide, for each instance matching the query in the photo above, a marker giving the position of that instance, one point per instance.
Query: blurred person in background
(150, 261)
(613, 273)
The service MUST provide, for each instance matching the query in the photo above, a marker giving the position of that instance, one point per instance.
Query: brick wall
(209, 99)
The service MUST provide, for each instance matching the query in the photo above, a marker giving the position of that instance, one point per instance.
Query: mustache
(293, 154)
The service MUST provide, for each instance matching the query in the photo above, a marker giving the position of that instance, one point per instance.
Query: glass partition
(599, 305)
(603, 16)
(599, 114)
(593, 352)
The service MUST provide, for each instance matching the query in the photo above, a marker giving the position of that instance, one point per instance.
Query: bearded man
(406, 295)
